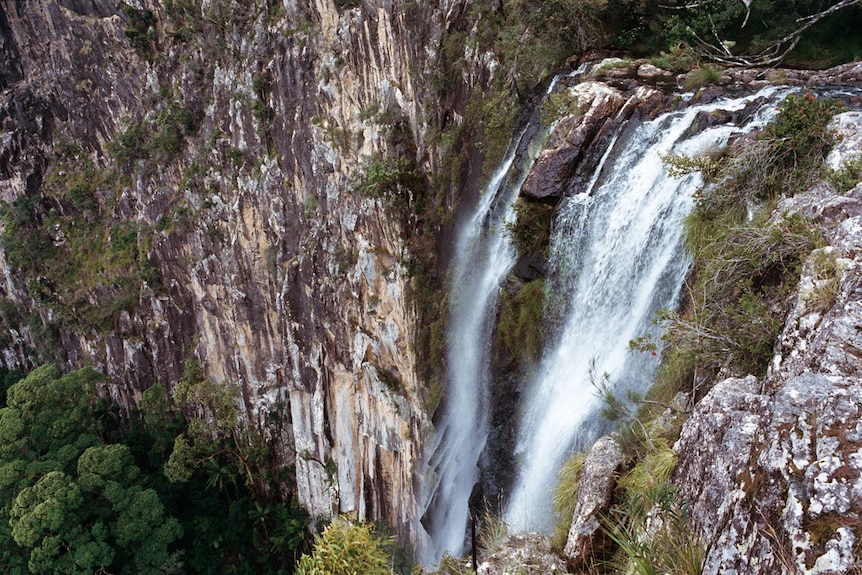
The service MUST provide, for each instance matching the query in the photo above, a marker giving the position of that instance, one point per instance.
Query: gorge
(323, 207)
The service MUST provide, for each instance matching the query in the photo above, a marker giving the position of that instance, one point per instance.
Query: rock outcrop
(523, 554)
(602, 467)
(772, 468)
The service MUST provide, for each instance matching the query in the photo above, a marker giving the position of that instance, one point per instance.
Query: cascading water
(616, 258)
(482, 258)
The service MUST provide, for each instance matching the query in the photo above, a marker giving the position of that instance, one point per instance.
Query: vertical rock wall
(274, 271)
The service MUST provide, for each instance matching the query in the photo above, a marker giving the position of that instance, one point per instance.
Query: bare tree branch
(718, 51)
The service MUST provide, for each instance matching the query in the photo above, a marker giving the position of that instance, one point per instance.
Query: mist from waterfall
(616, 258)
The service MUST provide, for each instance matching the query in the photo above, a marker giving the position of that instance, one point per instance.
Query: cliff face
(226, 140)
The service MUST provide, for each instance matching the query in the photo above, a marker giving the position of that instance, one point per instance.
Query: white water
(616, 258)
(483, 256)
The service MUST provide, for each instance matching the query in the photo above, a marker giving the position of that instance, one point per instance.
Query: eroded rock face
(576, 144)
(279, 277)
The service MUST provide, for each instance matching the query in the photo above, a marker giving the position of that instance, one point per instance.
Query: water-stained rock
(550, 175)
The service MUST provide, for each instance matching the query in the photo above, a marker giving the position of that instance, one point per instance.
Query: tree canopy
(80, 493)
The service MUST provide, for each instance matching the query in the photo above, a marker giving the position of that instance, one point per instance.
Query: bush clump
(346, 548)
(519, 327)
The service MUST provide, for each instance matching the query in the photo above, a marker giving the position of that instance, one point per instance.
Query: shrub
(141, 30)
(678, 58)
(345, 548)
(558, 105)
(395, 181)
(700, 77)
(492, 535)
(519, 326)
(846, 178)
(651, 529)
(531, 230)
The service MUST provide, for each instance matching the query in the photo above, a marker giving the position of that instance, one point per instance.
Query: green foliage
(531, 230)
(651, 529)
(702, 76)
(565, 498)
(345, 548)
(395, 181)
(846, 178)
(558, 105)
(141, 30)
(493, 533)
(70, 256)
(73, 504)
(490, 117)
(532, 38)
(186, 18)
(826, 274)
(160, 140)
(678, 58)
(519, 323)
(80, 495)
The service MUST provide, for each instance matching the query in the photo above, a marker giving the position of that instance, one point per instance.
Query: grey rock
(523, 554)
(603, 465)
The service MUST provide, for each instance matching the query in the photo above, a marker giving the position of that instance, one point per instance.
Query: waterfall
(482, 258)
(616, 258)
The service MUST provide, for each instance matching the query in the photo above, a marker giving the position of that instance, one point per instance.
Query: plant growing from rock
(566, 497)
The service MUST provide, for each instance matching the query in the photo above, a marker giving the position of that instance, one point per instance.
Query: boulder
(602, 467)
(524, 554)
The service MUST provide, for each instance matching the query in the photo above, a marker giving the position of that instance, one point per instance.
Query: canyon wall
(233, 145)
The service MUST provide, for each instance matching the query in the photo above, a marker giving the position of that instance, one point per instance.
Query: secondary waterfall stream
(483, 257)
(616, 258)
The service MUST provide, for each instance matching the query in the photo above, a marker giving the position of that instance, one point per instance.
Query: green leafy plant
(345, 547)
(395, 181)
(558, 105)
(846, 178)
(141, 30)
